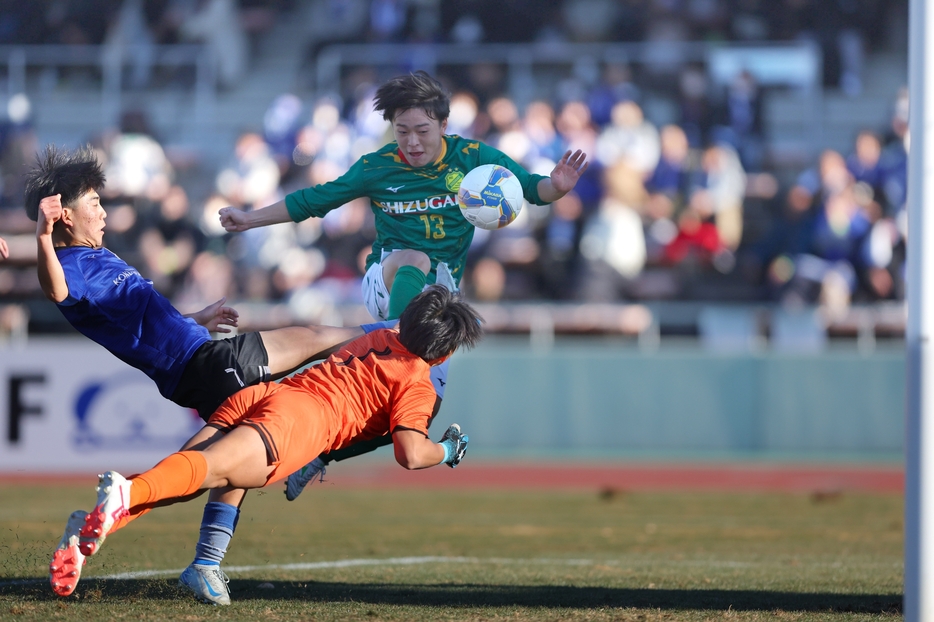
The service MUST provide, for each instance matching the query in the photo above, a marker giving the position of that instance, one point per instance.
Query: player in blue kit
(108, 301)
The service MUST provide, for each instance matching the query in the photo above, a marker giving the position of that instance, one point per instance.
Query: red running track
(601, 477)
(612, 477)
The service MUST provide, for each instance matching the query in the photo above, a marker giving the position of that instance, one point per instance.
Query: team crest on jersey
(453, 180)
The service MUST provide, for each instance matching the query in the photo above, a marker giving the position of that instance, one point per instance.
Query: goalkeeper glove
(455, 445)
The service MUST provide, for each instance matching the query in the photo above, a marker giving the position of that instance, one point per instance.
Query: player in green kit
(421, 235)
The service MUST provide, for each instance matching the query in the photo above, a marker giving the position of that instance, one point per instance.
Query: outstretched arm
(413, 450)
(51, 274)
(234, 219)
(363, 447)
(416, 451)
(216, 317)
(564, 176)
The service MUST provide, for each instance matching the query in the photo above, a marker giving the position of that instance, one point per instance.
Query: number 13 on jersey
(434, 225)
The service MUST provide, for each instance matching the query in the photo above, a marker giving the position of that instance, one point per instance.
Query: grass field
(438, 554)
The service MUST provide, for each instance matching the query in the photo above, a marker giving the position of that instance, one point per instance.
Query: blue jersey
(112, 304)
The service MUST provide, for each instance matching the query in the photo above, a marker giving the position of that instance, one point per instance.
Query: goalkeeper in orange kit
(377, 384)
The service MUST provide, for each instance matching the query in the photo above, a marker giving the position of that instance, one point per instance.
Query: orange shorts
(294, 425)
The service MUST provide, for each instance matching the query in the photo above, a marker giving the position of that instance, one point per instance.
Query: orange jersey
(371, 387)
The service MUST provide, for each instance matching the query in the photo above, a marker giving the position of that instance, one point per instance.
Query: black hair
(68, 173)
(436, 322)
(415, 90)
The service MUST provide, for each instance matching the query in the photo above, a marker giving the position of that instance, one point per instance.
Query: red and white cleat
(113, 503)
(68, 560)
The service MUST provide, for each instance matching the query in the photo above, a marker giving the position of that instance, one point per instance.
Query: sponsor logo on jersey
(419, 205)
(452, 180)
(395, 189)
(124, 276)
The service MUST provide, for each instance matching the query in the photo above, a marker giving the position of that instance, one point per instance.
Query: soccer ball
(490, 196)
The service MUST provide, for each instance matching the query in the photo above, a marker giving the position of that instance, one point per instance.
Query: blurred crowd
(662, 212)
(844, 29)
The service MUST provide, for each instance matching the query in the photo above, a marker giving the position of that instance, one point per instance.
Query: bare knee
(404, 257)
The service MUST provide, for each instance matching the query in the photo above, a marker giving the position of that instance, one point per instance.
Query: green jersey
(416, 207)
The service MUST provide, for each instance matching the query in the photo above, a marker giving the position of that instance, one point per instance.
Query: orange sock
(126, 519)
(179, 475)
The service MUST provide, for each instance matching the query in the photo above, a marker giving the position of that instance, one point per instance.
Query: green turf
(516, 555)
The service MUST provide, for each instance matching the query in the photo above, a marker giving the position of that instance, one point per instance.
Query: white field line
(412, 561)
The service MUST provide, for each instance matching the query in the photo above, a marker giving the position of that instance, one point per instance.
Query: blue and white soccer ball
(490, 196)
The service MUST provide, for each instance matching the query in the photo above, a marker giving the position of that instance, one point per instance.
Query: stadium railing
(18, 60)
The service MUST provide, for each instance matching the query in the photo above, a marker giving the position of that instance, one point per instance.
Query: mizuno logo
(395, 189)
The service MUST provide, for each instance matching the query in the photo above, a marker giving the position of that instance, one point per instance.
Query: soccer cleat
(296, 482)
(457, 444)
(113, 503)
(207, 583)
(67, 561)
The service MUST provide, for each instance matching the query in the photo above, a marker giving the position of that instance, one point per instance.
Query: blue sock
(217, 528)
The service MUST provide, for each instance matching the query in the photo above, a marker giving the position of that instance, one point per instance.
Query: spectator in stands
(894, 160)
(504, 116)
(78, 22)
(671, 177)
(590, 20)
(697, 241)
(217, 23)
(612, 247)
(829, 271)
(18, 143)
(771, 260)
(830, 176)
(169, 241)
(252, 177)
(539, 125)
(560, 246)
(576, 130)
(129, 36)
(209, 274)
(346, 236)
(281, 125)
(136, 163)
(486, 280)
(865, 164)
(724, 181)
(742, 126)
(629, 137)
(465, 110)
(388, 20)
(697, 109)
(668, 188)
(615, 86)
(336, 21)
(4, 249)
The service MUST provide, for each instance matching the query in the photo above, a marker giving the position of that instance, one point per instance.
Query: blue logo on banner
(126, 411)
